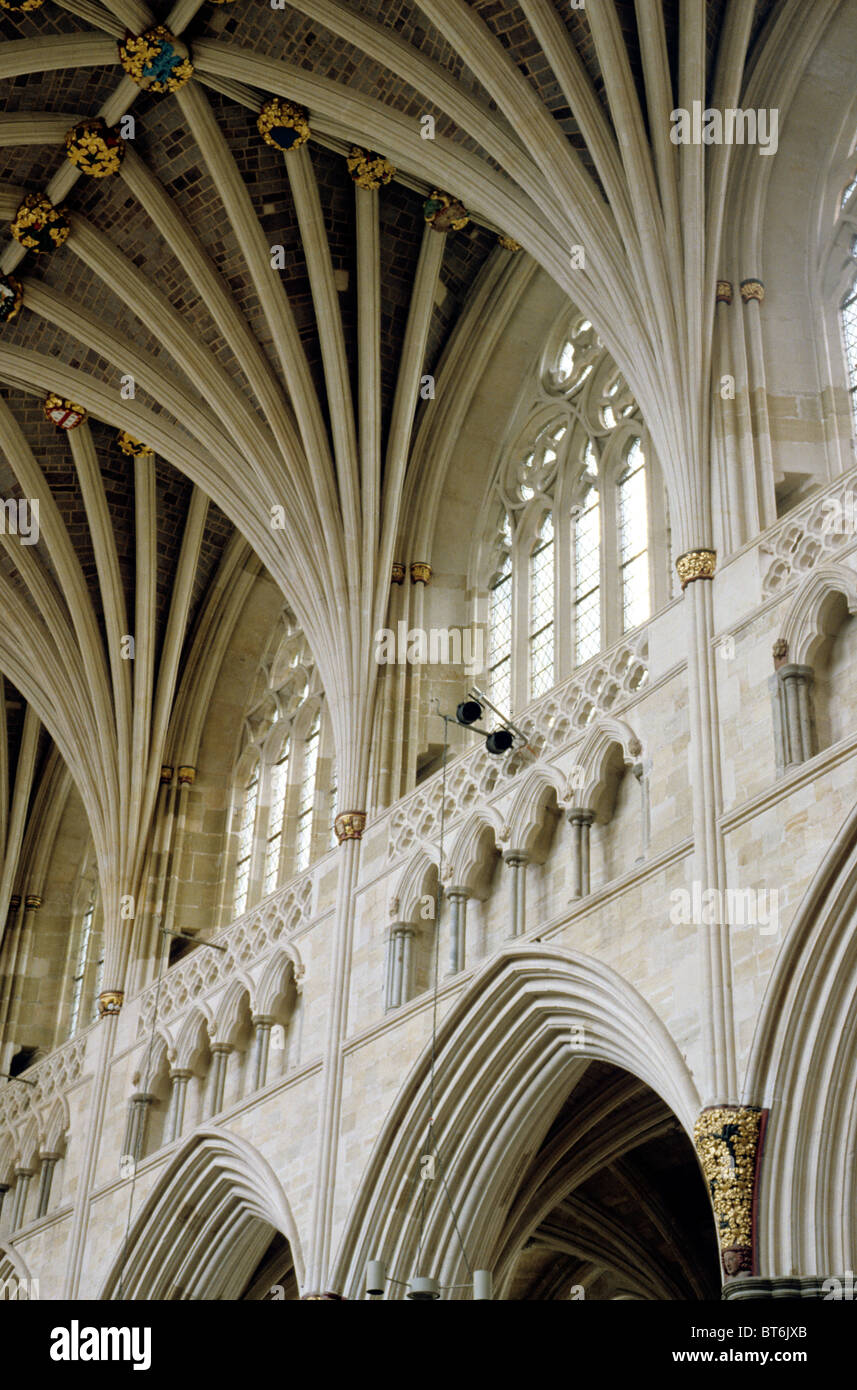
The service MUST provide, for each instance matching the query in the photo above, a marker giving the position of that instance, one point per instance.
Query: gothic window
(79, 977)
(633, 538)
(306, 802)
(849, 335)
(246, 830)
(542, 589)
(276, 818)
(587, 566)
(333, 794)
(500, 636)
(571, 569)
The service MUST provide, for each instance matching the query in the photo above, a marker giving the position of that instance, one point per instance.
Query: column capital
(514, 857)
(723, 292)
(186, 776)
(180, 1074)
(262, 1020)
(696, 564)
(752, 288)
(32, 902)
(349, 825)
(728, 1141)
(791, 670)
(457, 890)
(580, 815)
(110, 1002)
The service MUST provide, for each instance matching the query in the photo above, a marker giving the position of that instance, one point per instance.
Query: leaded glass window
(276, 819)
(849, 334)
(542, 610)
(587, 578)
(80, 966)
(306, 800)
(633, 539)
(500, 637)
(246, 829)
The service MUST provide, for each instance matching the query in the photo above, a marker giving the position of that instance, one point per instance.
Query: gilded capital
(349, 825)
(369, 170)
(509, 243)
(723, 293)
(187, 776)
(110, 1002)
(696, 564)
(398, 574)
(420, 572)
(728, 1141)
(752, 289)
(166, 773)
(32, 902)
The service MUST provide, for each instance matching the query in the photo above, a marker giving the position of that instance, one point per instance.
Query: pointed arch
(507, 1034)
(610, 746)
(238, 1205)
(814, 614)
(475, 852)
(801, 1066)
(533, 817)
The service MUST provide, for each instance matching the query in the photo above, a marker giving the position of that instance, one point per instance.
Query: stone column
(219, 1061)
(135, 1132)
(796, 683)
(178, 1096)
(457, 928)
(4, 1188)
(401, 964)
(580, 820)
(46, 1177)
(263, 1025)
(517, 862)
(22, 1186)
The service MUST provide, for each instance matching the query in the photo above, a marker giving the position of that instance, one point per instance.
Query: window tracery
(285, 774)
(576, 549)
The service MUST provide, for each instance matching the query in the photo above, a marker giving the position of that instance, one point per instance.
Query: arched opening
(612, 1203)
(216, 1227)
(562, 1113)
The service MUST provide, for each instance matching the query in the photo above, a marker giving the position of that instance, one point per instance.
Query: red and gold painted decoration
(349, 825)
(94, 149)
(509, 243)
(20, 6)
(696, 564)
(445, 213)
(283, 124)
(156, 60)
(63, 413)
(420, 572)
(11, 298)
(133, 447)
(369, 170)
(38, 225)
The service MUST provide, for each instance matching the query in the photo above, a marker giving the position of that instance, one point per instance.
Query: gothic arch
(508, 1034)
(812, 614)
(534, 812)
(238, 1204)
(610, 746)
(803, 1050)
(474, 853)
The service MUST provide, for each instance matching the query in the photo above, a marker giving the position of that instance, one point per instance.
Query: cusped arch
(228, 1020)
(510, 1034)
(413, 883)
(475, 851)
(609, 748)
(815, 612)
(533, 816)
(279, 978)
(238, 1204)
(194, 1037)
(57, 1126)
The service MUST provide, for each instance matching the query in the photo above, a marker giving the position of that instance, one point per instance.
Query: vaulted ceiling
(297, 384)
